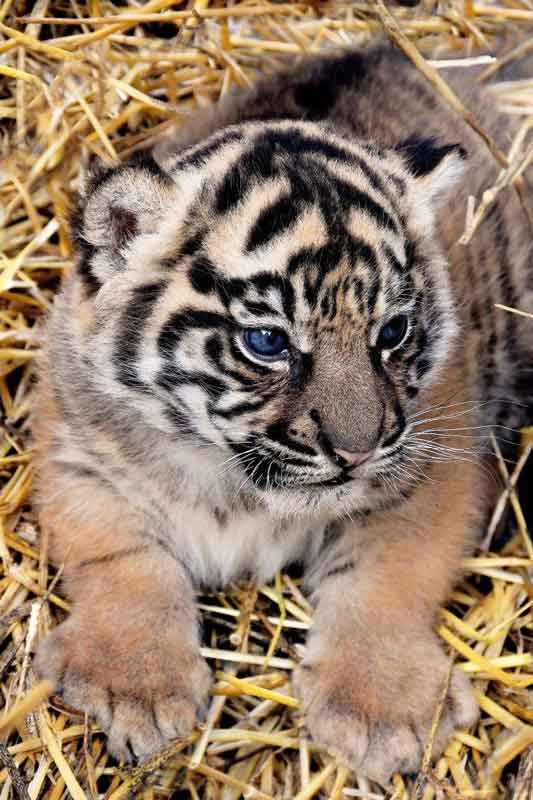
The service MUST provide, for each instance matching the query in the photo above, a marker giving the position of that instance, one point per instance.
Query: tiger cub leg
(129, 652)
(374, 669)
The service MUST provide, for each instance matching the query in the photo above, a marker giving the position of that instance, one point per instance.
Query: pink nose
(354, 459)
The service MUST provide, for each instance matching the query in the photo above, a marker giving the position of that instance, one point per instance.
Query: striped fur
(325, 219)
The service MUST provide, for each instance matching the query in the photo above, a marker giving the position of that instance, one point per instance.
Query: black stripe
(199, 154)
(214, 350)
(301, 370)
(372, 292)
(82, 471)
(297, 143)
(86, 251)
(146, 162)
(395, 435)
(411, 253)
(202, 275)
(324, 258)
(333, 310)
(273, 221)
(423, 155)
(242, 408)
(278, 432)
(356, 198)
(255, 164)
(189, 319)
(423, 365)
(508, 295)
(301, 182)
(332, 533)
(171, 377)
(505, 276)
(230, 191)
(486, 360)
(395, 265)
(116, 556)
(266, 281)
(475, 314)
(337, 196)
(83, 266)
(419, 339)
(258, 307)
(131, 330)
(341, 569)
(85, 472)
(191, 245)
(179, 419)
(229, 289)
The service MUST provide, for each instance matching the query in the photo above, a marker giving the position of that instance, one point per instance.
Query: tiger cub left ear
(437, 168)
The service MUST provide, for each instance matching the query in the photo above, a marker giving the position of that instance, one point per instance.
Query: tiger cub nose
(353, 459)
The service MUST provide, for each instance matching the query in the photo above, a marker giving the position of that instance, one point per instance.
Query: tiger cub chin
(273, 350)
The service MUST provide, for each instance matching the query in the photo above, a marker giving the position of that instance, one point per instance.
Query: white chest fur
(222, 546)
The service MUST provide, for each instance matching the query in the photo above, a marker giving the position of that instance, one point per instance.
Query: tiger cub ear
(435, 170)
(116, 205)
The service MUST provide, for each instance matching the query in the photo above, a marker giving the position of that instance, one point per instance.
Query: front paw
(380, 724)
(144, 689)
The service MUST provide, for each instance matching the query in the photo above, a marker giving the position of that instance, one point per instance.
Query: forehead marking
(272, 221)
(131, 330)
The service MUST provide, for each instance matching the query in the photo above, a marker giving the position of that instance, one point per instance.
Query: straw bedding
(81, 77)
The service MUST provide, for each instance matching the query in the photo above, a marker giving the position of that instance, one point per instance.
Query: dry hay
(109, 84)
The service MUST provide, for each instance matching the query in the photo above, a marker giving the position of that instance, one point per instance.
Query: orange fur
(129, 652)
(374, 670)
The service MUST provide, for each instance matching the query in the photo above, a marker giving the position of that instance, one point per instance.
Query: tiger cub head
(276, 292)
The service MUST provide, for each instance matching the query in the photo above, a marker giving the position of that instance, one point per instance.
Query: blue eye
(267, 343)
(393, 333)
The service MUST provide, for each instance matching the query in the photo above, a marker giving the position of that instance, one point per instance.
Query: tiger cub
(273, 350)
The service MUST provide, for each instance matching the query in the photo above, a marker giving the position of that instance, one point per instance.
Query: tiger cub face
(278, 293)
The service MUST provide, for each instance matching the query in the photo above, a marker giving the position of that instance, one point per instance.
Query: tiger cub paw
(143, 692)
(379, 738)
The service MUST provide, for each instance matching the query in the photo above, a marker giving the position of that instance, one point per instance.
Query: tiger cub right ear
(116, 205)
(434, 171)
(435, 167)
